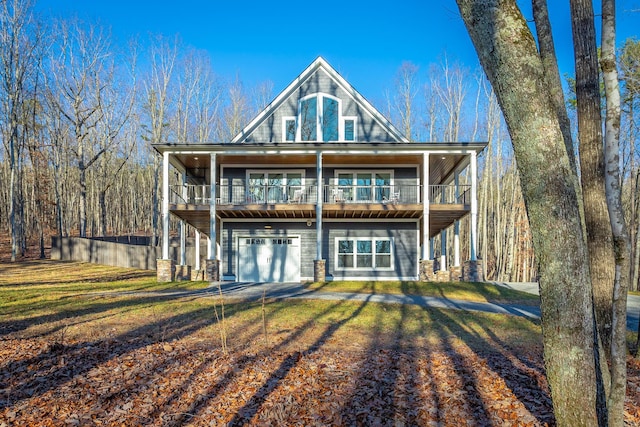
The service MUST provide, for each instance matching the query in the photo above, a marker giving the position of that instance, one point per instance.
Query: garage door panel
(269, 259)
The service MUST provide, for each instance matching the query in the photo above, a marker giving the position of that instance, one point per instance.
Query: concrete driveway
(633, 301)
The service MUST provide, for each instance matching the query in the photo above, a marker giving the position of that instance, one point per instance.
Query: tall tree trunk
(592, 172)
(552, 73)
(618, 361)
(509, 56)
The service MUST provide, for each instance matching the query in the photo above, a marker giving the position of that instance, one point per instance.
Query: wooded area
(80, 109)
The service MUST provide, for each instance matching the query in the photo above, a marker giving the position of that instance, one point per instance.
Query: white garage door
(269, 259)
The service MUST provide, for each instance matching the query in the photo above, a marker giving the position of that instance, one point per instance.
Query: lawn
(481, 292)
(70, 356)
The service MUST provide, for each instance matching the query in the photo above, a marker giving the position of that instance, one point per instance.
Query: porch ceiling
(441, 166)
(440, 216)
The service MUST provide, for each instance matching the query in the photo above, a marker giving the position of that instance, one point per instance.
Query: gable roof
(320, 64)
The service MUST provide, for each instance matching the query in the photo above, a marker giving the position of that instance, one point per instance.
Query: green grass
(78, 300)
(470, 291)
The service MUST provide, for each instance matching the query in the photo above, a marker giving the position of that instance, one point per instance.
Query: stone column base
(427, 273)
(183, 273)
(319, 270)
(165, 270)
(197, 275)
(212, 270)
(472, 271)
(456, 273)
(443, 276)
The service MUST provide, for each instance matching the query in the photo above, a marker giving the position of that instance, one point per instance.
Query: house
(320, 186)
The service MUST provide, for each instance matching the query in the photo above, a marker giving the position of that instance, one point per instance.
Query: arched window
(319, 119)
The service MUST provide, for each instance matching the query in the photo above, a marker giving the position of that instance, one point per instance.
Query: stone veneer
(443, 276)
(472, 271)
(319, 270)
(165, 270)
(212, 270)
(427, 273)
(456, 273)
(183, 273)
(197, 275)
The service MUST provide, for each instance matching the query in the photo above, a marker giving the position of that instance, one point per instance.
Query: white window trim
(319, 118)
(355, 172)
(284, 172)
(373, 241)
(355, 128)
(284, 128)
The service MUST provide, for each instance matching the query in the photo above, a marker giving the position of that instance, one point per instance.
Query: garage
(269, 259)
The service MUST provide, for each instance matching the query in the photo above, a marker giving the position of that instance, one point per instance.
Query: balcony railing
(243, 194)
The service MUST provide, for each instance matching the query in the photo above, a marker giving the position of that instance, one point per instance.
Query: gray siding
(405, 247)
(404, 235)
(368, 130)
(233, 230)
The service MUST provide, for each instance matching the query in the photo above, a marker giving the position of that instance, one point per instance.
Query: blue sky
(275, 40)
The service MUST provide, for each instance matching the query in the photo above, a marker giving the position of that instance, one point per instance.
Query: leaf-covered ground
(82, 360)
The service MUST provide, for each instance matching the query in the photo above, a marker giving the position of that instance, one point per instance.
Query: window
(329, 119)
(289, 129)
(319, 119)
(365, 186)
(308, 119)
(349, 129)
(273, 186)
(363, 254)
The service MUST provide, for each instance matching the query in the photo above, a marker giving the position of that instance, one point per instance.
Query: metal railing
(243, 194)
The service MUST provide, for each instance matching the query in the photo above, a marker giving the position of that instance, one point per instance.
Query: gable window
(308, 119)
(319, 119)
(349, 129)
(330, 115)
(363, 254)
(289, 129)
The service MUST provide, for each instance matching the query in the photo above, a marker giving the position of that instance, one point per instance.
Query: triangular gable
(319, 77)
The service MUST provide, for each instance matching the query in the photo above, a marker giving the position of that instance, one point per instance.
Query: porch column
(456, 227)
(426, 252)
(165, 205)
(183, 225)
(196, 263)
(319, 265)
(443, 250)
(213, 264)
(473, 247)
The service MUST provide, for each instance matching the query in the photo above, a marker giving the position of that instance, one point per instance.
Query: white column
(212, 253)
(183, 225)
(165, 205)
(319, 201)
(196, 265)
(208, 248)
(426, 246)
(456, 228)
(443, 250)
(474, 208)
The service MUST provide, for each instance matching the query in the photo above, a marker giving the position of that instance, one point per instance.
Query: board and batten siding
(368, 130)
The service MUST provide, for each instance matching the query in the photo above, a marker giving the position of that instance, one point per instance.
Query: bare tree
(19, 42)
(404, 100)
(163, 55)
(83, 58)
(613, 182)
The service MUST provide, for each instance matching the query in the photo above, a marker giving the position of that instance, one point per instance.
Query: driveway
(633, 301)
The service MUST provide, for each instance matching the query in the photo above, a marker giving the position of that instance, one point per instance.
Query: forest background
(79, 110)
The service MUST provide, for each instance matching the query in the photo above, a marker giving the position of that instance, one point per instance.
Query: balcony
(341, 202)
(271, 195)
